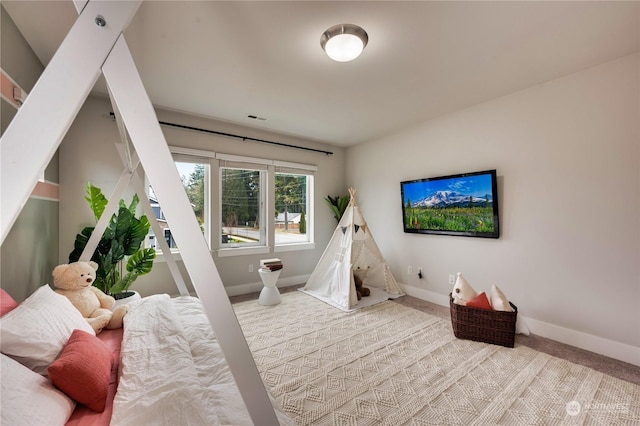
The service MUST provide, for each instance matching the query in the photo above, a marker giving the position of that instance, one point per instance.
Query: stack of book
(271, 264)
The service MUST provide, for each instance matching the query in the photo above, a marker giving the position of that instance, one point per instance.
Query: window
(194, 172)
(292, 208)
(243, 202)
(241, 207)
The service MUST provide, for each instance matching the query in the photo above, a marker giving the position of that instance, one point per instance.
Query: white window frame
(212, 200)
(261, 201)
(291, 168)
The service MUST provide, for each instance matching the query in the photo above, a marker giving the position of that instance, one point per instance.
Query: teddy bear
(74, 280)
(359, 275)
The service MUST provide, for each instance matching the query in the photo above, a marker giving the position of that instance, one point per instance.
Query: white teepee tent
(352, 246)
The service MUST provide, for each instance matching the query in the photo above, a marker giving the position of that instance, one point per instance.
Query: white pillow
(462, 291)
(35, 332)
(30, 399)
(499, 301)
(521, 327)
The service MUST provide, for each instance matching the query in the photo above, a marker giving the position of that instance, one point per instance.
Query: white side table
(269, 294)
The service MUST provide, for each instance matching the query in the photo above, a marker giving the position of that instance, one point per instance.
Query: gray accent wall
(30, 251)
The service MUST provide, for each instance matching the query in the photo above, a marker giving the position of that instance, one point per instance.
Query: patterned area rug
(388, 364)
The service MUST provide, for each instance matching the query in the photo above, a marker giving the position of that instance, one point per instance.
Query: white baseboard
(589, 342)
(429, 296)
(238, 290)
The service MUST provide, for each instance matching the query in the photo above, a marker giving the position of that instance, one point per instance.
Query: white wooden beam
(131, 162)
(142, 124)
(33, 136)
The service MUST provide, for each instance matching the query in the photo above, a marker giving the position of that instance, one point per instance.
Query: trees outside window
(240, 207)
(291, 208)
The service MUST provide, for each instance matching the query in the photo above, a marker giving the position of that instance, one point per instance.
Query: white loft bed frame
(95, 44)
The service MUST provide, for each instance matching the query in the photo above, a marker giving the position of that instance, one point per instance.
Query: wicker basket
(481, 325)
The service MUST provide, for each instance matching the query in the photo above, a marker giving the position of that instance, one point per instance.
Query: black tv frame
(434, 212)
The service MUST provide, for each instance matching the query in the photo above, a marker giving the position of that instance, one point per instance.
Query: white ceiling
(227, 60)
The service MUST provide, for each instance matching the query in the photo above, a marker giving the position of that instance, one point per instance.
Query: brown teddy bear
(75, 281)
(358, 278)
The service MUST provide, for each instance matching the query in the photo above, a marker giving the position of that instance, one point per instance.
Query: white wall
(88, 154)
(568, 161)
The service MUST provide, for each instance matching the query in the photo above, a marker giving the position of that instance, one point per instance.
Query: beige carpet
(389, 364)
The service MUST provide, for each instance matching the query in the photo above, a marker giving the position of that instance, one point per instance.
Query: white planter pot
(130, 298)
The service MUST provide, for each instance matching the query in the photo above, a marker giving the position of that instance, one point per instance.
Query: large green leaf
(338, 205)
(123, 284)
(97, 201)
(80, 243)
(134, 204)
(121, 224)
(136, 234)
(141, 261)
(114, 255)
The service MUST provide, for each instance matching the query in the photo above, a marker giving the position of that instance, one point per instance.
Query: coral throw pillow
(83, 370)
(480, 301)
(7, 304)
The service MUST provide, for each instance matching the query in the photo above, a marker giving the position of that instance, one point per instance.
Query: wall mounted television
(465, 204)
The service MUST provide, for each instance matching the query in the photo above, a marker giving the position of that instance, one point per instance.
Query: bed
(164, 367)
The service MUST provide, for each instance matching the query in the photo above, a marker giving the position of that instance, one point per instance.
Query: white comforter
(173, 371)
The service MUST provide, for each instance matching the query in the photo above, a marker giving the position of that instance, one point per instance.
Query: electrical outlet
(452, 279)
(251, 267)
(409, 270)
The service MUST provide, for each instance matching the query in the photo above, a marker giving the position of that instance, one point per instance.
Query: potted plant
(338, 204)
(120, 254)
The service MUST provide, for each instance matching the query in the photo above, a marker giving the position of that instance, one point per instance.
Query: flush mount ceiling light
(344, 42)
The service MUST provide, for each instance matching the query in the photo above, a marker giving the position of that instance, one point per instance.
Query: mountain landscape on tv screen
(441, 199)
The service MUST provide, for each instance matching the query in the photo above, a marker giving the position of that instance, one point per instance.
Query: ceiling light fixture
(344, 42)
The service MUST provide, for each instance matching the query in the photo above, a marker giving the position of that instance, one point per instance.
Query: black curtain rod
(244, 138)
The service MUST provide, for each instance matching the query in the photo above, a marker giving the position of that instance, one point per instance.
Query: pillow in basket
(462, 291)
(499, 301)
(480, 301)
